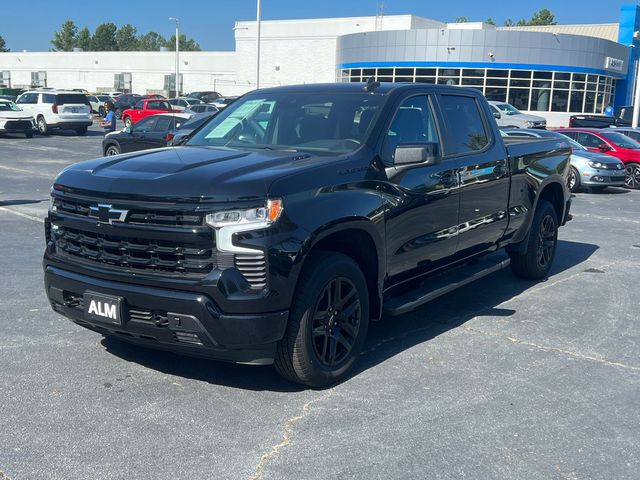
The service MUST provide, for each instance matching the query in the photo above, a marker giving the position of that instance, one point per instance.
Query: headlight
(596, 165)
(261, 215)
(52, 206)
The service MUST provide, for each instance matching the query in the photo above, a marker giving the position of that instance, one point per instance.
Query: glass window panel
(519, 98)
(448, 81)
(592, 78)
(575, 101)
(559, 101)
(498, 73)
(577, 86)
(404, 79)
(405, 72)
(472, 81)
(579, 77)
(496, 82)
(542, 84)
(496, 94)
(520, 83)
(473, 72)
(589, 102)
(562, 76)
(369, 72)
(449, 72)
(543, 75)
(354, 79)
(470, 133)
(561, 85)
(426, 79)
(602, 80)
(356, 71)
(592, 87)
(540, 100)
(385, 79)
(385, 71)
(521, 73)
(426, 72)
(599, 100)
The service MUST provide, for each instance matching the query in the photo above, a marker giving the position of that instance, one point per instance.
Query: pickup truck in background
(597, 121)
(508, 116)
(279, 229)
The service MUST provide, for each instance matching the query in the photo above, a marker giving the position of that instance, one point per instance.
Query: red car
(144, 108)
(612, 143)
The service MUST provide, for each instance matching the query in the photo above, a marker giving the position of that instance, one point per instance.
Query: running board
(443, 284)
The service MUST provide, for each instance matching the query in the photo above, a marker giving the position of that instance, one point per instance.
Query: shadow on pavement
(385, 339)
(6, 203)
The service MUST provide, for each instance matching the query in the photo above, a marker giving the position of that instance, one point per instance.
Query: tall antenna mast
(379, 16)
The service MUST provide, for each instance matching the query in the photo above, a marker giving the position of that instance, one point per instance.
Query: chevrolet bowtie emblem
(107, 214)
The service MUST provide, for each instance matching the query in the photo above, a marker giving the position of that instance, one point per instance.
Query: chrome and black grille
(20, 125)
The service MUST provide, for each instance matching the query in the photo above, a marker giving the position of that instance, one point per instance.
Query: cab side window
(413, 124)
(466, 128)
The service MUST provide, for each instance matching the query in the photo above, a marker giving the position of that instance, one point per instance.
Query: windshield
(9, 107)
(323, 123)
(620, 140)
(507, 109)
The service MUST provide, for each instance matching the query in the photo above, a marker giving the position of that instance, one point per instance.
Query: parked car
(114, 95)
(184, 130)
(151, 132)
(205, 96)
(630, 132)
(124, 102)
(223, 102)
(11, 98)
(97, 103)
(57, 109)
(14, 120)
(183, 103)
(201, 108)
(592, 170)
(278, 239)
(613, 143)
(508, 116)
(144, 108)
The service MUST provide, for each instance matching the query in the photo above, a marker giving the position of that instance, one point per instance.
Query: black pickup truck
(279, 229)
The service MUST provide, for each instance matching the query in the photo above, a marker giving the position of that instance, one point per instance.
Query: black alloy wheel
(336, 321)
(546, 241)
(632, 176)
(111, 151)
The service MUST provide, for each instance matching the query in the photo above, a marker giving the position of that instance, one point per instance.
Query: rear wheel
(43, 128)
(81, 131)
(327, 323)
(632, 176)
(573, 181)
(127, 122)
(101, 111)
(536, 261)
(111, 150)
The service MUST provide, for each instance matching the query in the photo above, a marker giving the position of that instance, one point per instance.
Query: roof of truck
(383, 88)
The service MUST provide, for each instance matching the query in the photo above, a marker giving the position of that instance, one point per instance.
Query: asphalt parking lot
(504, 379)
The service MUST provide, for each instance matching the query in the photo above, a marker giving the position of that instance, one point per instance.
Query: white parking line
(30, 172)
(23, 215)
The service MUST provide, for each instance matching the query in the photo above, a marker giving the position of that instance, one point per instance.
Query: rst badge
(107, 214)
(103, 308)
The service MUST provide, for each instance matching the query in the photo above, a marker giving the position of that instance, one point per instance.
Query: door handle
(500, 170)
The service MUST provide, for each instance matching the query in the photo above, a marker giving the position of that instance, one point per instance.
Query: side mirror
(128, 130)
(603, 147)
(497, 115)
(178, 138)
(424, 153)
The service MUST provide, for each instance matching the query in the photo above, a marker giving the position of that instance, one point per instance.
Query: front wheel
(632, 176)
(327, 324)
(536, 261)
(81, 130)
(573, 181)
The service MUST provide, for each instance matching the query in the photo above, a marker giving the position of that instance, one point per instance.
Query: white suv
(57, 109)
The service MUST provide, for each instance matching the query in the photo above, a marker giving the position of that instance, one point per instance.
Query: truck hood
(15, 115)
(186, 174)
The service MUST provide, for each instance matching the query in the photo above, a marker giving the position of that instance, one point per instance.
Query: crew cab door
(422, 217)
(483, 171)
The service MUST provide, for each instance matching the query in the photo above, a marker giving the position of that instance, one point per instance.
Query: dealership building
(553, 71)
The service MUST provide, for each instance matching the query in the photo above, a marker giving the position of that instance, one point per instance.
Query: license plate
(74, 110)
(103, 308)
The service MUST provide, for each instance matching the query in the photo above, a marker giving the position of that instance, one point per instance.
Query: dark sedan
(150, 132)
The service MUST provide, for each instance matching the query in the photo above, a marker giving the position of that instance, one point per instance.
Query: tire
(537, 259)
(127, 122)
(632, 176)
(319, 348)
(111, 150)
(28, 134)
(43, 128)
(573, 181)
(81, 130)
(101, 111)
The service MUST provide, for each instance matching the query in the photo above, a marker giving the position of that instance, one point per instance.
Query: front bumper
(592, 177)
(179, 321)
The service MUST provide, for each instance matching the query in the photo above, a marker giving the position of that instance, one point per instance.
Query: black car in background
(150, 132)
(205, 96)
(125, 101)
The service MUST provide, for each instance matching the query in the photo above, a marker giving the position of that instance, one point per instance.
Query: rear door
(483, 172)
(157, 137)
(421, 229)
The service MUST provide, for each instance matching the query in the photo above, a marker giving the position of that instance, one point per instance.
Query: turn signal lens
(274, 208)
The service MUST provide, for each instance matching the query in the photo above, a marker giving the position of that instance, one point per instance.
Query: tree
(3, 45)
(126, 38)
(84, 41)
(462, 19)
(186, 45)
(65, 39)
(543, 17)
(151, 42)
(104, 38)
(490, 21)
(508, 23)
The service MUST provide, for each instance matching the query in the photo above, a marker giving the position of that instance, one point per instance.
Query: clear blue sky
(30, 25)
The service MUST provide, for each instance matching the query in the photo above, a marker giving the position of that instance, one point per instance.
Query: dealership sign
(614, 64)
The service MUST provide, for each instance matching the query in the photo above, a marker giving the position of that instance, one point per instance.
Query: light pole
(177, 80)
(258, 46)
